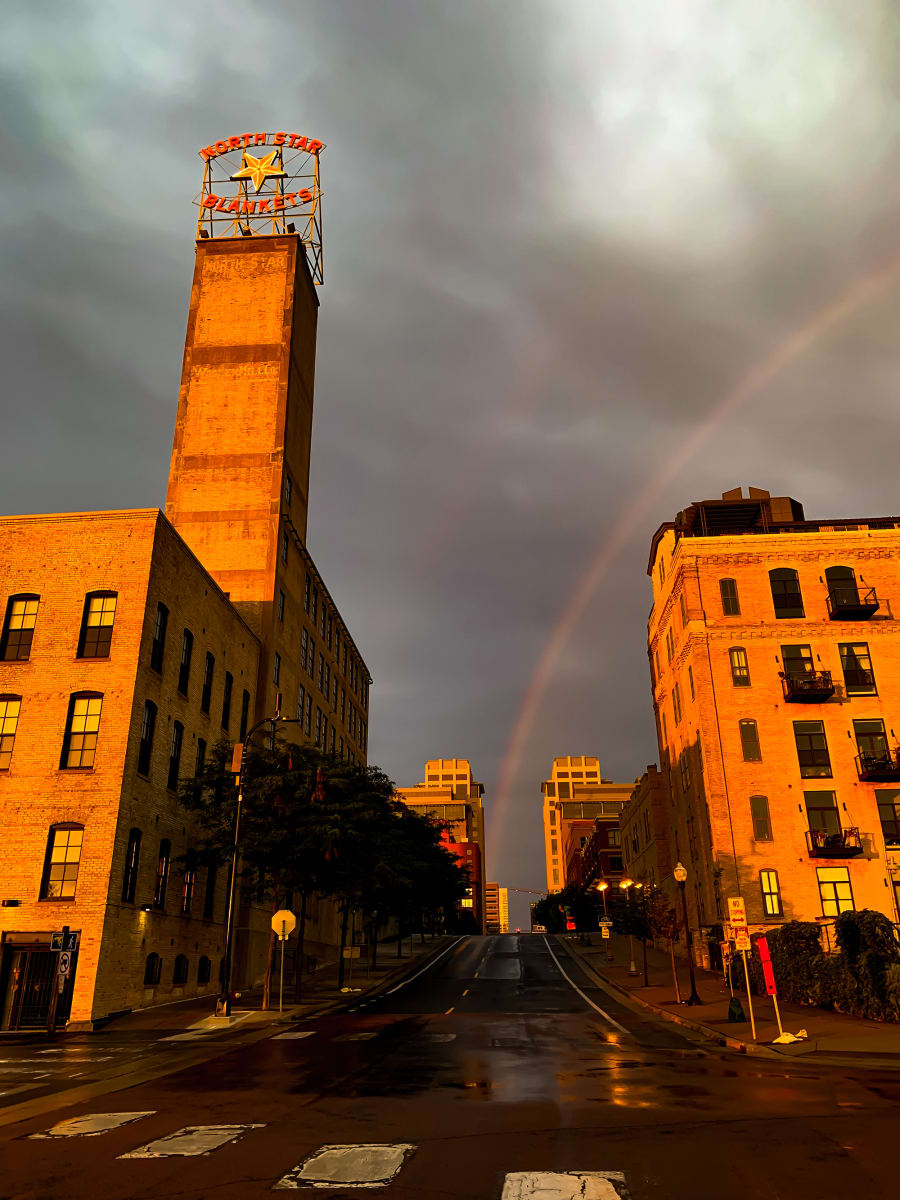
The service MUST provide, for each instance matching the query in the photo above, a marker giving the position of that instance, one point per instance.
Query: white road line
(358, 1037)
(302, 1033)
(436, 1038)
(566, 1185)
(427, 967)
(91, 1124)
(362, 1166)
(587, 1000)
(193, 1139)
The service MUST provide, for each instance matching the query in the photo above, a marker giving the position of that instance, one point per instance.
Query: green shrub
(868, 945)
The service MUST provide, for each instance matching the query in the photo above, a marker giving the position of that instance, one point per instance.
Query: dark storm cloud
(555, 235)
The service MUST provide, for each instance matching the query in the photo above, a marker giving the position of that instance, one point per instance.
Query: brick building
(645, 830)
(775, 665)
(88, 598)
(448, 793)
(576, 792)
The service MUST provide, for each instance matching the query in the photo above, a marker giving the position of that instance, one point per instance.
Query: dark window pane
(157, 649)
(184, 669)
(888, 800)
(97, 625)
(206, 694)
(740, 668)
(145, 746)
(762, 825)
(812, 749)
(18, 628)
(786, 597)
(822, 811)
(730, 604)
(750, 741)
(132, 858)
(859, 678)
(797, 661)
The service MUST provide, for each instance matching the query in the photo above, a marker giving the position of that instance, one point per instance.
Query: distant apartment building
(449, 794)
(775, 663)
(645, 830)
(579, 804)
(492, 907)
(503, 904)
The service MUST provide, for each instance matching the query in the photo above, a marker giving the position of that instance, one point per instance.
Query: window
(175, 756)
(665, 731)
(152, 970)
(145, 746)
(859, 678)
(97, 625)
(888, 801)
(209, 896)
(306, 587)
(656, 660)
(682, 608)
(871, 741)
(759, 813)
(62, 861)
(82, 727)
(341, 748)
(312, 658)
(797, 661)
(323, 626)
(334, 693)
(670, 645)
(343, 706)
(822, 812)
(132, 857)
(691, 683)
(321, 672)
(684, 766)
(226, 700)
(315, 605)
(301, 700)
(750, 741)
(284, 546)
(329, 631)
(162, 874)
(318, 726)
(324, 732)
(835, 890)
(307, 724)
(812, 750)
(288, 490)
(771, 896)
(18, 627)
(276, 668)
(158, 647)
(676, 703)
(730, 604)
(203, 970)
(787, 599)
(245, 713)
(740, 668)
(280, 605)
(206, 693)
(200, 761)
(842, 586)
(10, 707)
(180, 971)
(327, 687)
(662, 571)
(184, 669)
(188, 881)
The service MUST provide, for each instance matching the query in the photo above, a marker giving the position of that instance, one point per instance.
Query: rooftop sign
(262, 184)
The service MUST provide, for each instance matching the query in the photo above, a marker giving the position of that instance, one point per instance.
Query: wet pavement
(500, 1070)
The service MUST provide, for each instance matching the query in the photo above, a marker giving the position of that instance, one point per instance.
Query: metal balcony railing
(849, 604)
(811, 688)
(845, 843)
(879, 768)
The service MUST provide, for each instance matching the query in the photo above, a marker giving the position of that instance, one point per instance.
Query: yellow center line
(476, 975)
(449, 1011)
(466, 992)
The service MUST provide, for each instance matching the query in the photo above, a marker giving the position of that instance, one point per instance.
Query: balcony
(812, 688)
(822, 843)
(849, 604)
(879, 768)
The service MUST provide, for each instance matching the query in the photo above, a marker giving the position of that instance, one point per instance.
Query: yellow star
(258, 169)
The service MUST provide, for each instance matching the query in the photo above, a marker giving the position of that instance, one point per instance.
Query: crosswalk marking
(91, 1124)
(357, 1037)
(193, 1139)
(364, 1166)
(566, 1185)
(301, 1033)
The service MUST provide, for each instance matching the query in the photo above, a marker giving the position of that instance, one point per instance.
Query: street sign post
(742, 940)
(604, 931)
(737, 920)
(65, 963)
(57, 942)
(737, 912)
(283, 923)
(769, 976)
(606, 922)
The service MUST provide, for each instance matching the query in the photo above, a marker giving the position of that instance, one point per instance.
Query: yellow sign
(737, 912)
(259, 169)
(742, 940)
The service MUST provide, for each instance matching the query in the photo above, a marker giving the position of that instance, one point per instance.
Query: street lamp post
(681, 875)
(626, 885)
(643, 892)
(602, 888)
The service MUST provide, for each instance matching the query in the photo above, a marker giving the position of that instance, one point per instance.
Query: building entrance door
(30, 975)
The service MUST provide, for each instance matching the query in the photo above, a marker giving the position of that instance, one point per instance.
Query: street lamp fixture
(681, 875)
(626, 885)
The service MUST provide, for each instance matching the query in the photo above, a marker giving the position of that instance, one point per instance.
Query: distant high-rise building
(503, 905)
(450, 794)
(576, 793)
(774, 666)
(492, 908)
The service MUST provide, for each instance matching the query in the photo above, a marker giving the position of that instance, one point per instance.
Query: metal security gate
(30, 973)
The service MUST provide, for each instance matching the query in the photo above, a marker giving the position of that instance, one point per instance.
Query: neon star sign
(263, 184)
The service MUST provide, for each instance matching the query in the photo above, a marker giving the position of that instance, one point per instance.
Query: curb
(713, 1035)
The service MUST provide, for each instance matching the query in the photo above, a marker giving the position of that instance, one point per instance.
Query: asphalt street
(500, 1070)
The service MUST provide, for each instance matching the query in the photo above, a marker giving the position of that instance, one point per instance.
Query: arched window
(61, 862)
(82, 730)
(162, 873)
(740, 668)
(842, 585)
(787, 598)
(132, 857)
(145, 745)
(190, 878)
(152, 970)
(97, 625)
(10, 707)
(204, 969)
(18, 627)
(180, 970)
(731, 606)
(771, 893)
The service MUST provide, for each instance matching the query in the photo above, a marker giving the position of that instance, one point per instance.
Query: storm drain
(363, 1166)
(567, 1185)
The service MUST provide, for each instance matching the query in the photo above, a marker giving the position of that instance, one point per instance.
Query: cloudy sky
(559, 236)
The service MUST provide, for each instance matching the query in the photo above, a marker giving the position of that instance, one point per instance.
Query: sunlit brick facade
(775, 663)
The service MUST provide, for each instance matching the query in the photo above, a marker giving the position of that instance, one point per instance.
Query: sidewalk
(831, 1036)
